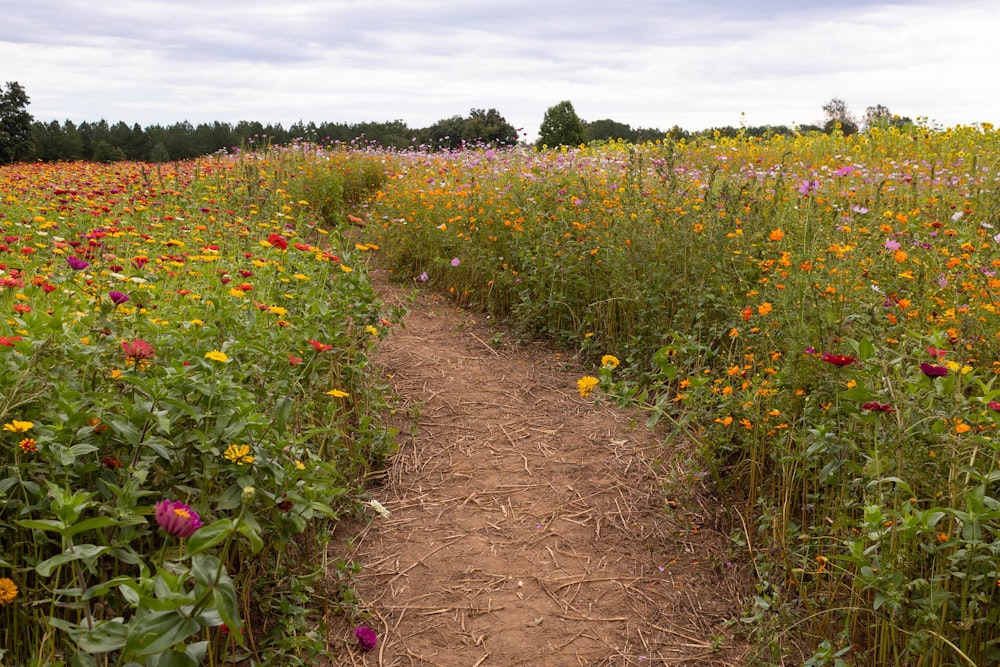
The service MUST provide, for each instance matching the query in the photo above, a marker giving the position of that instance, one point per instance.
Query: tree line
(22, 138)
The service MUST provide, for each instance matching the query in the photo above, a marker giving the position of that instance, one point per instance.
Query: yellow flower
(299, 465)
(345, 269)
(586, 384)
(8, 591)
(372, 330)
(337, 393)
(17, 426)
(238, 454)
(610, 360)
(215, 355)
(962, 427)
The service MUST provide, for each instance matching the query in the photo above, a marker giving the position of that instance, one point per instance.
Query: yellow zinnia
(216, 355)
(586, 384)
(610, 361)
(239, 454)
(18, 426)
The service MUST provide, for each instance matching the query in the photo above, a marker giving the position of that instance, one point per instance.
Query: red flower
(321, 347)
(137, 349)
(936, 353)
(302, 246)
(933, 370)
(8, 341)
(111, 462)
(278, 241)
(993, 405)
(293, 360)
(838, 359)
(874, 406)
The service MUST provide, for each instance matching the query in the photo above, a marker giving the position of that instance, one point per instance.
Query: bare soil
(529, 526)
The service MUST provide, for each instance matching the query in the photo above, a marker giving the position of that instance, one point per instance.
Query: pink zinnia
(177, 518)
(366, 637)
(137, 349)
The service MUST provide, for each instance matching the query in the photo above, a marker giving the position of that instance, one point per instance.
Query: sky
(648, 63)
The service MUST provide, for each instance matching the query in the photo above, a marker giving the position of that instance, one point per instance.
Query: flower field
(186, 405)
(819, 314)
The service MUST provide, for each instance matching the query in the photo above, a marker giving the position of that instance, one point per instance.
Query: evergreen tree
(16, 138)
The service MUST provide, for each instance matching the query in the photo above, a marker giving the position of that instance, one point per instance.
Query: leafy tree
(836, 112)
(561, 127)
(609, 130)
(880, 116)
(15, 124)
(488, 127)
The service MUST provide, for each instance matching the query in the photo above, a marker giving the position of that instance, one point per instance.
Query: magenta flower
(137, 349)
(366, 637)
(118, 298)
(177, 518)
(456, 261)
(76, 263)
(933, 370)
(993, 405)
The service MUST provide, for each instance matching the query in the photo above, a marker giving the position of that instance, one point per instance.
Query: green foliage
(561, 127)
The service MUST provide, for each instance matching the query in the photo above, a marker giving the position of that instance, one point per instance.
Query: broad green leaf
(208, 536)
(158, 631)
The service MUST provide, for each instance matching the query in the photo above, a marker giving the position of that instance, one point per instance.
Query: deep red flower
(278, 241)
(111, 462)
(933, 370)
(838, 359)
(994, 405)
(8, 341)
(875, 406)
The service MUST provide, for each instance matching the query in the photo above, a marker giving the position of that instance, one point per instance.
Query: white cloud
(644, 62)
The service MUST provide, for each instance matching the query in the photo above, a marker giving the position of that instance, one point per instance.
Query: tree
(880, 116)
(488, 127)
(609, 130)
(561, 127)
(15, 124)
(836, 112)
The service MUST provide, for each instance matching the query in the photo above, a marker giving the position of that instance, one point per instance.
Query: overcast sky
(648, 63)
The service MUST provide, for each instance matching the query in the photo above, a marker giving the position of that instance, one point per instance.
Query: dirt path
(529, 526)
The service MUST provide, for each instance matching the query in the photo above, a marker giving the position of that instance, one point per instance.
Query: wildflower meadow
(187, 398)
(186, 405)
(819, 314)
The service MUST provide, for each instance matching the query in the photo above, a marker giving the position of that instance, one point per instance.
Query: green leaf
(43, 524)
(106, 636)
(90, 524)
(226, 602)
(158, 631)
(205, 568)
(208, 536)
(80, 552)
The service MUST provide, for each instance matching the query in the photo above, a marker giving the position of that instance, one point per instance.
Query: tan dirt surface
(528, 526)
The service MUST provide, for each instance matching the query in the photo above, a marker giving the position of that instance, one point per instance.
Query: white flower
(379, 508)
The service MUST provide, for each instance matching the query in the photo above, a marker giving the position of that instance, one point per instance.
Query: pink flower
(118, 298)
(366, 637)
(137, 349)
(76, 263)
(177, 518)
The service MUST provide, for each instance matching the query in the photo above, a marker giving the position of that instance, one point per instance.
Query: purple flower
(177, 518)
(366, 637)
(118, 298)
(456, 261)
(933, 370)
(76, 263)
(423, 277)
(891, 244)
